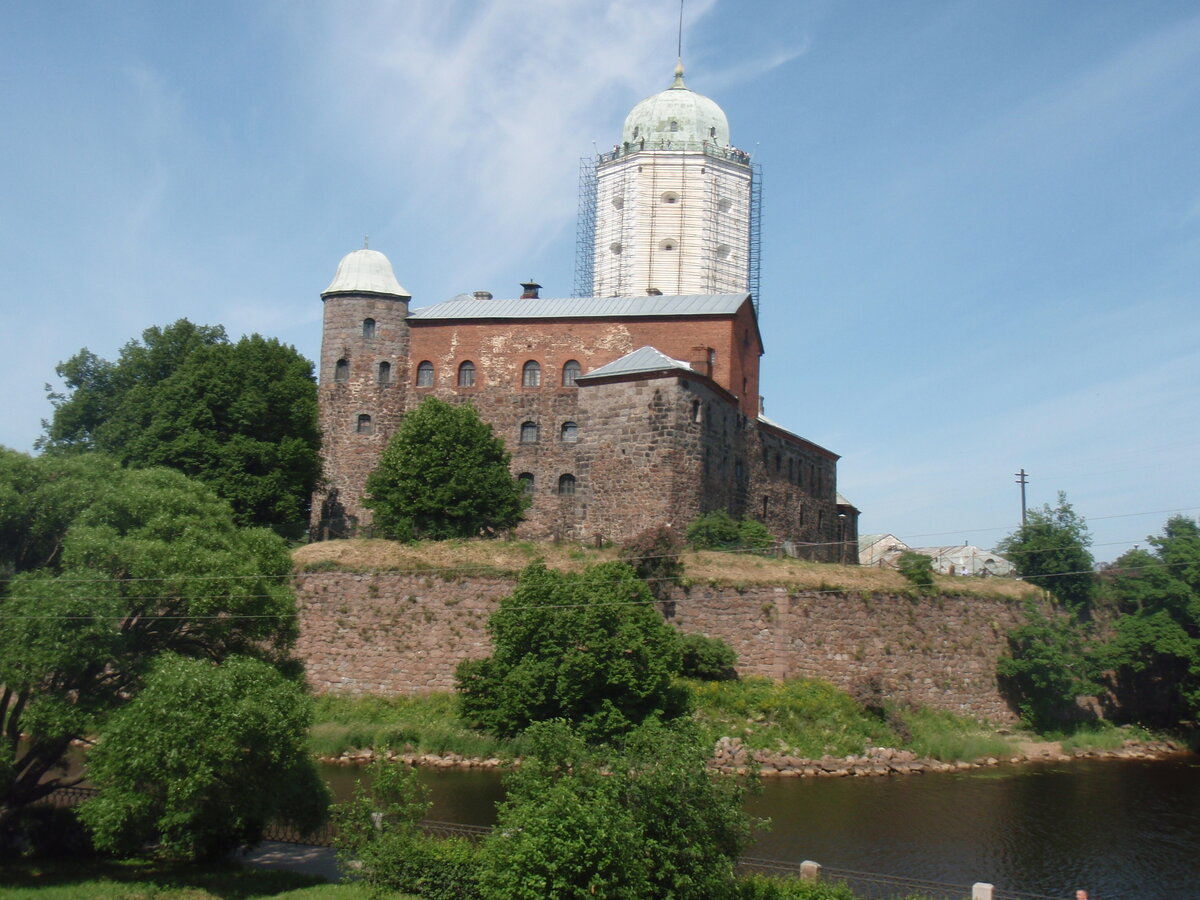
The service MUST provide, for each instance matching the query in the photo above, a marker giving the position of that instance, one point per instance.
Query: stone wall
(402, 633)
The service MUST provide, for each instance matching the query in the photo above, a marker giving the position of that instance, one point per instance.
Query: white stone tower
(674, 201)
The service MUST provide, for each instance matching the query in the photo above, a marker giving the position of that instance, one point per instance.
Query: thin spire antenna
(679, 43)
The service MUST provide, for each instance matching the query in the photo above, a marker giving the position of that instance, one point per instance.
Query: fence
(866, 885)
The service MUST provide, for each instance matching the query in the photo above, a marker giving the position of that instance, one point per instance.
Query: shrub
(707, 658)
(654, 555)
(918, 569)
(720, 531)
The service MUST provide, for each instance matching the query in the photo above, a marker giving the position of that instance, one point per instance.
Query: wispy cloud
(490, 105)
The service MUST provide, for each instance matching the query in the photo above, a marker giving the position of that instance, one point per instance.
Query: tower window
(425, 374)
(712, 131)
(466, 374)
(385, 373)
(618, 202)
(670, 197)
(636, 129)
(365, 426)
(566, 485)
(525, 479)
(368, 328)
(695, 410)
(341, 372)
(674, 125)
(724, 205)
(529, 432)
(570, 371)
(615, 248)
(668, 244)
(569, 433)
(531, 374)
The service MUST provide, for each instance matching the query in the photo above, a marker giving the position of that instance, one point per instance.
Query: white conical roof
(365, 272)
(677, 118)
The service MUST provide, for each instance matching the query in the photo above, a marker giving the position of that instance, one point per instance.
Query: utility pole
(1022, 480)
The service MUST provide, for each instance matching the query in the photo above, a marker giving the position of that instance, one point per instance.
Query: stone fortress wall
(396, 633)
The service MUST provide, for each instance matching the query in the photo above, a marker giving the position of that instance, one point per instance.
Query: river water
(1122, 829)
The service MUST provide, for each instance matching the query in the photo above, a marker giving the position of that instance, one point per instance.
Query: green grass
(945, 736)
(425, 723)
(1103, 736)
(156, 880)
(803, 717)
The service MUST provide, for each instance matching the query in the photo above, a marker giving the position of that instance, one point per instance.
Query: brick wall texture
(392, 633)
(603, 460)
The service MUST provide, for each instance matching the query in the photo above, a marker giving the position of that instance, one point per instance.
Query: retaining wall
(397, 633)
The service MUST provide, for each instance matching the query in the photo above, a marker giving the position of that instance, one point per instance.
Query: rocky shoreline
(732, 757)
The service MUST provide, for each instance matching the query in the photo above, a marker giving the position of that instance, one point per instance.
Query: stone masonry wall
(401, 633)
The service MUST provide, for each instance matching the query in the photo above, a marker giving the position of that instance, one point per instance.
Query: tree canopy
(588, 647)
(444, 474)
(1050, 550)
(202, 759)
(1154, 654)
(242, 417)
(115, 568)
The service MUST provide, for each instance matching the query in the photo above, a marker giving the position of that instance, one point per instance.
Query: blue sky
(981, 220)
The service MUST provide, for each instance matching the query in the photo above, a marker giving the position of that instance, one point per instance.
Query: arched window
(571, 371)
(368, 328)
(365, 425)
(529, 432)
(531, 374)
(569, 433)
(667, 244)
(674, 125)
(670, 197)
(466, 374)
(525, 479)
(385, 373)
(425, 374)
(341, 372)
(566, 485)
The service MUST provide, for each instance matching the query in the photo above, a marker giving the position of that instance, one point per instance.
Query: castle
(635, 406)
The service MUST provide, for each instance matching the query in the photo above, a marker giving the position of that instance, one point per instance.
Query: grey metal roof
(791, 433)
(644, 359)
(466, 306)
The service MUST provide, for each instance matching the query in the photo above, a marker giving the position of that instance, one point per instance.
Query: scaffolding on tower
(755, 230)
(585, 228)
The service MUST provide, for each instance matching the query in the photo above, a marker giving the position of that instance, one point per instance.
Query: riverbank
(731, 757)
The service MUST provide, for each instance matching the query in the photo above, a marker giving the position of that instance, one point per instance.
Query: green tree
(242, 417)
(203, 758)
(122, 565)
(654, 555)
(1153, 656)
(444, 474)
(1046, 669)
(642, 818)
(1050, 550)
(707, 658)
(588, 647)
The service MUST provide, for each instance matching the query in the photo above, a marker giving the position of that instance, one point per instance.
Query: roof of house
(644, 359)
(467, 306)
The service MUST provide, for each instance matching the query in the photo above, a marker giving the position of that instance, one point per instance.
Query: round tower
(363, 382)
(673, 202)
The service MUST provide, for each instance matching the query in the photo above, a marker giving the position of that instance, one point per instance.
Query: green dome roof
(677, 117)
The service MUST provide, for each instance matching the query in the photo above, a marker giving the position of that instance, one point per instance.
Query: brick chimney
(482, 295)
(702, 361)
(530, 290)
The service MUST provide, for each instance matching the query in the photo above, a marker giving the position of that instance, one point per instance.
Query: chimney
(702, 361)
(530, 289)
(482, 295)
(653, 292)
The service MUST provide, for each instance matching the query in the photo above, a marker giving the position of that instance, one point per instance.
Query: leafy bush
(643, 819)
(588, 647)
(45, 832)
(378, 839)
(918, 569)
(1045, 670)
(707, 658)
(720, 531)
(654, 555)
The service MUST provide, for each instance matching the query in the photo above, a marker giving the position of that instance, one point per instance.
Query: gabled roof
(467, 306)
(644, 359)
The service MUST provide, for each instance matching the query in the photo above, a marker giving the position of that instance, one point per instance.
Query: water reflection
(1122, 829)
